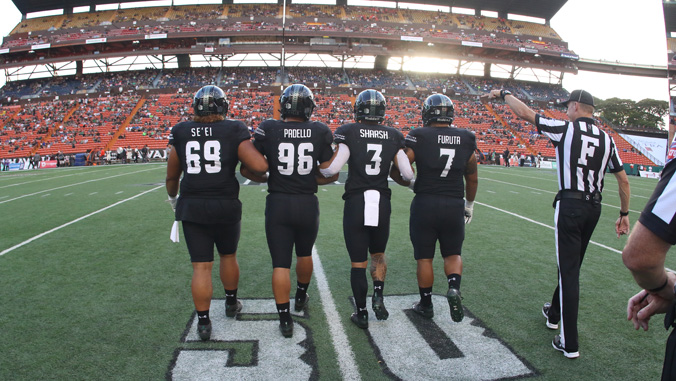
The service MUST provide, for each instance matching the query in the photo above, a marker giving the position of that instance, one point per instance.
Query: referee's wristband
(504, 93)
(622, 214)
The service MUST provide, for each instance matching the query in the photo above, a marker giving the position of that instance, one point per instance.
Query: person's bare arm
(251, 175)
(251, 158)
(644, 256)
(173, 173)
(622, 223)
(519, 108)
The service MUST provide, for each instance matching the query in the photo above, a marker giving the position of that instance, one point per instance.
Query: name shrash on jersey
(445, 139)
(297, 133)
(377, 134)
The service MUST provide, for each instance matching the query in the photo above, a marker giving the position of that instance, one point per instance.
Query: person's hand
(642, 306)
(622, 226)
(469, 210)
(493, 94)
(172, 201)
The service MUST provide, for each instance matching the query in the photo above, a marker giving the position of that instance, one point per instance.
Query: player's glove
(172, 201)
(469, 209)
(411, 185)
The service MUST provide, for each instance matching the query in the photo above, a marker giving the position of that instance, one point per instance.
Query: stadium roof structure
(544, 9)
(669, 8)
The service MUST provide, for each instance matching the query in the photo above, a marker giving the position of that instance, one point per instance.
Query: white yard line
(72, 185)
(45, 179)
(346, 361)
(74, 221)
(551, 192)
(550, 227)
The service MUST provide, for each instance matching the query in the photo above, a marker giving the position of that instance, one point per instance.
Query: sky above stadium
(614, 30)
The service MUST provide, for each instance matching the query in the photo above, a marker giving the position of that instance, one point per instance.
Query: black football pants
(575, 223)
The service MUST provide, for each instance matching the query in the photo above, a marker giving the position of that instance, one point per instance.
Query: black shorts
(435, 218)
(359, 238)
(201, 238)
(208, 210)
(290, 219)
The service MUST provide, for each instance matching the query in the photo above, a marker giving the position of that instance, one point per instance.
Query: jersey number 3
(211, 156)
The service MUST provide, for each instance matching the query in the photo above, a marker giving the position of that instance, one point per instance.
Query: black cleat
(424, 311)
(361, 321)
(231, 310)
(545, 313)
(300, 304)
(378, 305)
(204, 331)
(556, 343)
(286, 328)
(455, 302)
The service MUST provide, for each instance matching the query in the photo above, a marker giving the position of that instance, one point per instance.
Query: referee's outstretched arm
(520, 109)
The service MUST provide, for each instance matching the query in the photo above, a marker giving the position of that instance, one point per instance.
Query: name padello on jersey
(297, 133)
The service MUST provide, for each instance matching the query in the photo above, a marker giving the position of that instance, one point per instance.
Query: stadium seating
(100, 121)
(133, 22)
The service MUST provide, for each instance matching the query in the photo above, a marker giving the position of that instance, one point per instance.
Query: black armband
(504, 93)
(622, 214)
(658, 289)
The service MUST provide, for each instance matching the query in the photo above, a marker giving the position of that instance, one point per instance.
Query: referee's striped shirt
(583, 152)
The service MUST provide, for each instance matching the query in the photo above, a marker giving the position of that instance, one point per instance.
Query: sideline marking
(552, 228)
(71, 185)
(547, 191)
(543, 224)
(44, 179)
(346, 362)
(74, 221)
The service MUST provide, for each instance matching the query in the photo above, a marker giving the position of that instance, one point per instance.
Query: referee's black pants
(575, 223)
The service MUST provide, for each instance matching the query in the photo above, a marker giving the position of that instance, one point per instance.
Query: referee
(583, 154)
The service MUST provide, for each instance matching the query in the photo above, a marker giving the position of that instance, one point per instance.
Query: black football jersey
(293, 150)
(372, 149)
(441, 156)
(208, 155)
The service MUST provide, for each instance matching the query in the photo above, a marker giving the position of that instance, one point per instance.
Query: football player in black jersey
(206, 151)
(444, 157)
(368, 148)
(294, 146)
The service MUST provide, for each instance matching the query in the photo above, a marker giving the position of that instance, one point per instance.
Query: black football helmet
(297, 100)
(370, 105)
(210, 100)
(437, 108)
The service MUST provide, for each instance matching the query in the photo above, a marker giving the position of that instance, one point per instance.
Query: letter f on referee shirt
(589, 144)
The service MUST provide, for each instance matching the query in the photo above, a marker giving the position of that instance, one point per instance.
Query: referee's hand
(622, 226)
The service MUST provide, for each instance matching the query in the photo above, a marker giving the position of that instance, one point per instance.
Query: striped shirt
(583, 152)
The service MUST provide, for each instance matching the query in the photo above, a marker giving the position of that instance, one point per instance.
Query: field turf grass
(91, 287)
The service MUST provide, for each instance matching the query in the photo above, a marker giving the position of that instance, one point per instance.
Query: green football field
(92, 288)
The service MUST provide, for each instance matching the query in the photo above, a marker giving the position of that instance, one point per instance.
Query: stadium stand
(77, 114)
